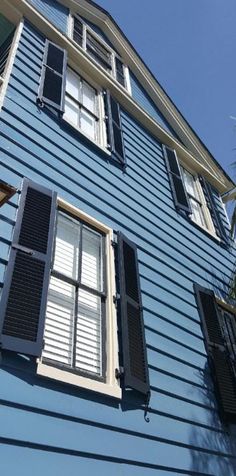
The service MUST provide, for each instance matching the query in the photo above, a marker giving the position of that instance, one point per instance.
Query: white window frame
(101, 139)
(111, 385)
(113, 53)
(4, 80)
(209, 227)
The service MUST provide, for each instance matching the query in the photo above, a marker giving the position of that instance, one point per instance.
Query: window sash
(79, 301)
(194, 198)
(80, 109)
(84, 36)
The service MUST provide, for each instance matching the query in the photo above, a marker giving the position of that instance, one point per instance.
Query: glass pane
(89, 97)
(91, 274)
(189, 183)
(67, 246)
(88, 124)
(78, 31)
(88, 334)
(71, 111)
(59, 322)
(72, 83)
(98, 51)
(197, 214)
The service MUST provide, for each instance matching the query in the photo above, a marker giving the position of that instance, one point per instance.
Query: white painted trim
(54, 373)
(198, 156)
(225, 305)
(111, 386)
(10, 62)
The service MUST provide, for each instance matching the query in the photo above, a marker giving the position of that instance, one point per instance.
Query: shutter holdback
(146, 418)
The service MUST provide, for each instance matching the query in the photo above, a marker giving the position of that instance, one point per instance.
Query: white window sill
(205, 230)
(96, 144)
(111, 390)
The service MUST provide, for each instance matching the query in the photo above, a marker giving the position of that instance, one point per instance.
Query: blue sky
(190, 46)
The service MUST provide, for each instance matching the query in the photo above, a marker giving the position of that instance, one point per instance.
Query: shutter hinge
(113, 243)
(119, 373)
(115, 299)
(24, 249)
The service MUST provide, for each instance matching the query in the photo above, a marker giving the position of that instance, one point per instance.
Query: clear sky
(190, 47)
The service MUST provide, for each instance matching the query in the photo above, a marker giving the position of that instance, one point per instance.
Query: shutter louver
(132, 326)
(215, 216)
(114, 130)
(176, 181)
(53, 77)
(24, 294)
(222, 372)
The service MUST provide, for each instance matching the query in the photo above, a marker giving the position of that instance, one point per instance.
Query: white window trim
(86, 27)
(209, 228)
(111, 386)
(102, 135)
(4, 80)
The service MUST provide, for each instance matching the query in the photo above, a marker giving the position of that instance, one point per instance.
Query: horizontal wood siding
(60, 430)
(54, 11)
(141, 97)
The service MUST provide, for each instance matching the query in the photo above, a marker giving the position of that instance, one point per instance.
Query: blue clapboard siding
(57, 429)
(54, 11)
(142, 98)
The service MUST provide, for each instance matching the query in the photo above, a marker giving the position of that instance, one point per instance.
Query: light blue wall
(53, 11)
(51, 428)
(141, 97)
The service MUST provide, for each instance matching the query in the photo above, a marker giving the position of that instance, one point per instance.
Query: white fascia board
(198, 157)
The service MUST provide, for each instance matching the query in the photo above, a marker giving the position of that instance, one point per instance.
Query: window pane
(72, 84)
(67, 246)
(189, 183)
(71, 111)
(59, 322)
(197, 214)
(98, 51)
(78, 31)
(89, 97)
(91, 274)
(88, 124)
(88, 336)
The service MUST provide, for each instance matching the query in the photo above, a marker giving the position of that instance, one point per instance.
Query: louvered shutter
(24, 295)
(53, 77)
(176, 181)
(132, 327)
(114, 130)
(215, 216)
(222, 372)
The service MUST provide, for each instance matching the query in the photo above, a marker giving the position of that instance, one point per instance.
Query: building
(117, 338)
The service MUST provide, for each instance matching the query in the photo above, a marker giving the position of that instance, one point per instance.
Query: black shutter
(24, 295)
(53, 77)
(114, 130)
(176, 181)
(132, 327)
(215, 216)
(219, 359)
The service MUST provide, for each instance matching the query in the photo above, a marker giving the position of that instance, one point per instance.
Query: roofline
(105, 12)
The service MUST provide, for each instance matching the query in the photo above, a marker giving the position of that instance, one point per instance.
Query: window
(193, 196)
(7, 31)
(192, 186)
(92, 111)
(59, 297)
(76, 310)
(84, 36)
(219, 331)
(83, 107)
